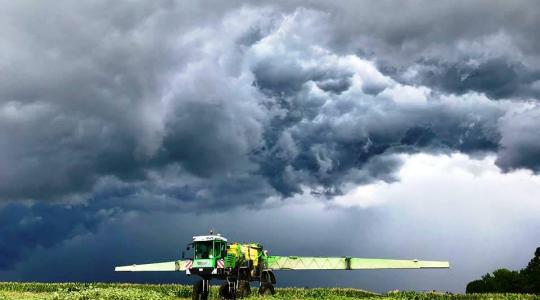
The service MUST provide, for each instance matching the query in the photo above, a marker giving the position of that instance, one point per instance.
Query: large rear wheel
(266, 289)
(244, 290)
(224, 292)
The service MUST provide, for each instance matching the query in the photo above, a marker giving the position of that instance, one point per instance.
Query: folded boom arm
(347, 263)
(177, 265)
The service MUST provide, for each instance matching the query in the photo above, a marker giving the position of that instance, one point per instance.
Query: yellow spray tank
(245, 253)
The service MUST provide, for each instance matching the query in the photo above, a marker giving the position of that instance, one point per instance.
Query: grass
(121, 291)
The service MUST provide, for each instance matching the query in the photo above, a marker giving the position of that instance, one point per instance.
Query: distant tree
(476, 286)
(505, 281)
(531, 274)
(502, 281)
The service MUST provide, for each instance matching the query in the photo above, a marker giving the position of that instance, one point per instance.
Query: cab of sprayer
(206, 250)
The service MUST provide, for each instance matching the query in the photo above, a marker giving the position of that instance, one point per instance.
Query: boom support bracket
(348, 263)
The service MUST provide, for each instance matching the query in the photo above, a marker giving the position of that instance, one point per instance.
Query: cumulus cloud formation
(108, 108)
(266, 96)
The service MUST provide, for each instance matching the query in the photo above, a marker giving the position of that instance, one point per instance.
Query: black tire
(244, 289)
(197, 291)
(224, 293)
(266, 289)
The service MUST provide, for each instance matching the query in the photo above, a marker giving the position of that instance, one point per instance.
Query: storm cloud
(265, 97)
(112, 108)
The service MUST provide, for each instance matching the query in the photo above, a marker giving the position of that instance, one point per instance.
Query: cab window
(203, 250)
(220, 249)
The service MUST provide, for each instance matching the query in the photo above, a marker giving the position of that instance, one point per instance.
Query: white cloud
(407, 95)
(441, 183)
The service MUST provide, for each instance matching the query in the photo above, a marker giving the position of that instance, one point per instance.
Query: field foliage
(124, 291)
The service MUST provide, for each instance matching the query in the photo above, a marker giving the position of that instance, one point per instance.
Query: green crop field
(118, 291)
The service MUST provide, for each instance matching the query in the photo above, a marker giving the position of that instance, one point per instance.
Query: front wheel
(224, 292)
(198, 293)
(266, 289)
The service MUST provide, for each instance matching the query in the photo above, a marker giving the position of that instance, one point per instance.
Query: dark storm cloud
(497, 78)
(402, 34)
(458, 46)
(81, 94)
(126, 90)
(176, 106)
(24, 228)
(520, 144)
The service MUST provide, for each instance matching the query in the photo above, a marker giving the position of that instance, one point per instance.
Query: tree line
(526, 280)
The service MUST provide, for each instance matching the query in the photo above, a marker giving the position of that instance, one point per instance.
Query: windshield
(203, 250)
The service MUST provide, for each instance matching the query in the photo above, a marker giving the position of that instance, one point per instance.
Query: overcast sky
(383, 129)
